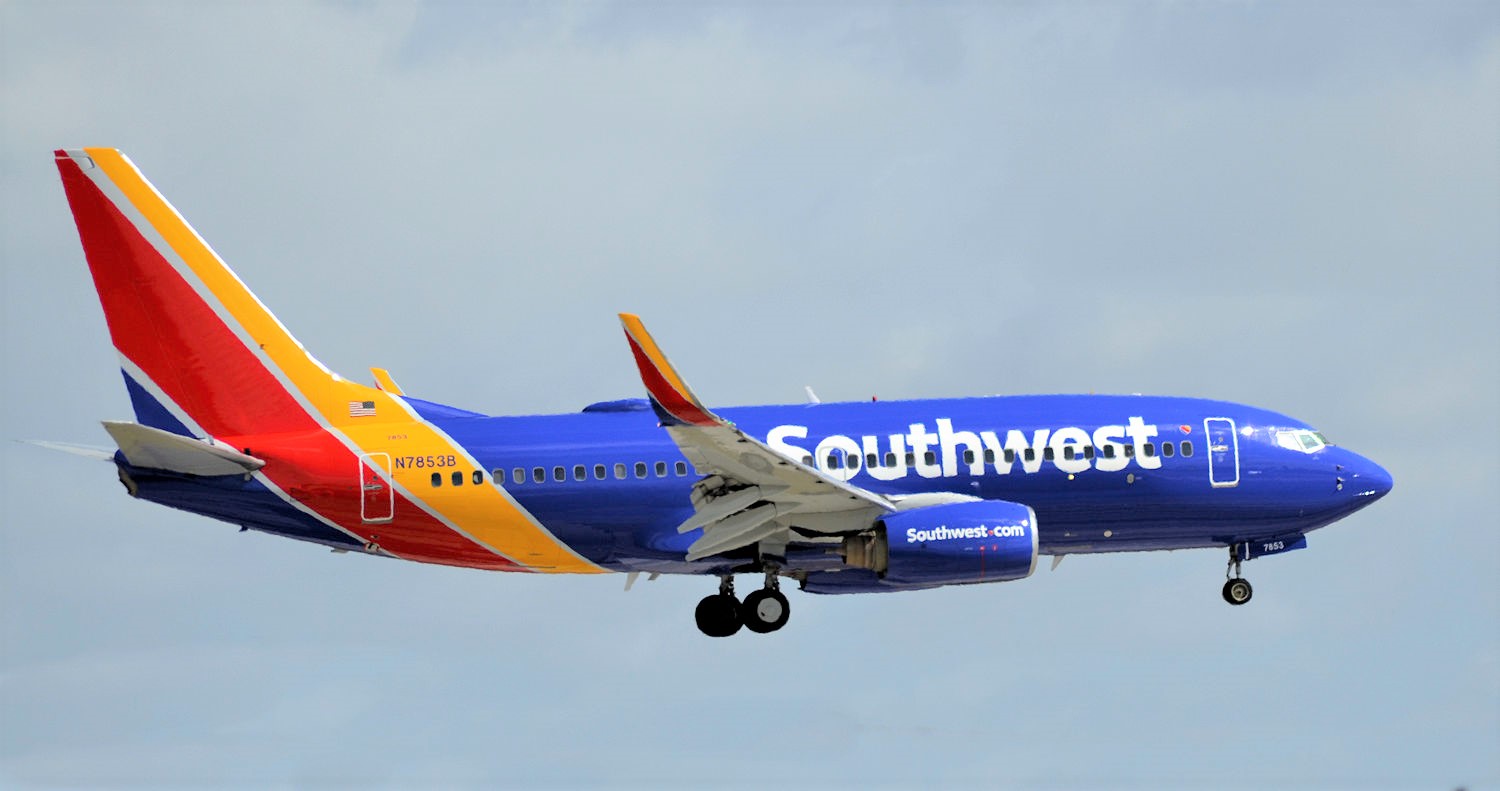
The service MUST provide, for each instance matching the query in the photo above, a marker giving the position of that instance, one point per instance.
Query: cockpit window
(1301, 439)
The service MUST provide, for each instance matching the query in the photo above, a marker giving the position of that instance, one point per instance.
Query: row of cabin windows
(836, 461)
(601, 472)
(457, 478)
(580, 473)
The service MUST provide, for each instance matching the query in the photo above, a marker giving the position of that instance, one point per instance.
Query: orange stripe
(484, 513)
(647, 344)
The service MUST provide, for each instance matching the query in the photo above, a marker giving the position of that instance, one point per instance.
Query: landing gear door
(1223, 452)
(377, 502)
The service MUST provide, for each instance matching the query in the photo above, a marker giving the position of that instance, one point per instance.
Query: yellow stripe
(637, 330)
(384, 380)
(483, 512)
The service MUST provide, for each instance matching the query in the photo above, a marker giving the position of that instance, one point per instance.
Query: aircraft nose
(1365, 480)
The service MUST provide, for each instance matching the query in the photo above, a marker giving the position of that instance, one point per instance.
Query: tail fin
(200, 354)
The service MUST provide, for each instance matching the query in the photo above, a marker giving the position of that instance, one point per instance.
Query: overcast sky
(1295, 206)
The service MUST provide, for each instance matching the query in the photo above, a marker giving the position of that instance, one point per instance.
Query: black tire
(718, 615)
(1237, 591)
(765, 611)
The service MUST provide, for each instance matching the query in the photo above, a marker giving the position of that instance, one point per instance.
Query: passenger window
(620, 470)
(518, 475)
(458, 478)
(681, 468)
(1187, 447)
(640, 469)
(1068, 452)
(559, 474)
(1109, 451)
(1167, 449)
(833, 462)
(598, 472)
(661, 469)
(437, 479)
(498, 475)
(1030, 454)
(911, 459)
(580, 472)
(538, 474)
(1088, 451)
(890, 459)
(478, 477)
(929, 457)
(807, 460)
(1149, 449)
(871, 460)
(989, 456)
(1048, 454)
(1129, 451)
(1010, 456)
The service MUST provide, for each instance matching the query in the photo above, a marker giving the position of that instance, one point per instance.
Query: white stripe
(167, 403)
(170, 255)
(476, 465)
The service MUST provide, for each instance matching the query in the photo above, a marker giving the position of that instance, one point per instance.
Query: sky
(1295, 206)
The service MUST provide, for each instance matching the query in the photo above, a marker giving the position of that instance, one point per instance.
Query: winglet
(674, 403)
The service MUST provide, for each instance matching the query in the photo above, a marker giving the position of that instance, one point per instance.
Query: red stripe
(164, 327)
(665, 394)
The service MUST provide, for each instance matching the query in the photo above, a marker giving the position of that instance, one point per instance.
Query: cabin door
(1223, 452)
(377, 496)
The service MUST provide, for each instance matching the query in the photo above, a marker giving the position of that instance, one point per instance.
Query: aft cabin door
(1223, 452)
(377, 496)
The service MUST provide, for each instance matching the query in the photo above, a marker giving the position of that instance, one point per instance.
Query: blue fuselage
(1103, 473)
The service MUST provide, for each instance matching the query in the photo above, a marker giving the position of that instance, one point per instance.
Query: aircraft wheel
(1237, 591)
(765, 610)
(718, 615)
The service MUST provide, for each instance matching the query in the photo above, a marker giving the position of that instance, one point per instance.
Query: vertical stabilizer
(200, 354)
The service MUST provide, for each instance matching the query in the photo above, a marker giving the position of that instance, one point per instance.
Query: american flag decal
(361, 409)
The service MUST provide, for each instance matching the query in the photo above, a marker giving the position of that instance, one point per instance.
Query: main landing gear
(722, 614)
(1237, 589)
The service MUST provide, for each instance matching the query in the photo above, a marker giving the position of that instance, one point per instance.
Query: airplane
(236, 421)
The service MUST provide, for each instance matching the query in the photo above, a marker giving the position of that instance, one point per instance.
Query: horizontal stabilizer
(152, 448)
(87, 451)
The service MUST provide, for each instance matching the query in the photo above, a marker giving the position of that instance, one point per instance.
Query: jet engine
(979, 541)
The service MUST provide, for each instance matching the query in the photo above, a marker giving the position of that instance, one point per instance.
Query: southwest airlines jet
(236, 421)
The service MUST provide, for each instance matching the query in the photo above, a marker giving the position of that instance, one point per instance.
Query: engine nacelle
(981, 541)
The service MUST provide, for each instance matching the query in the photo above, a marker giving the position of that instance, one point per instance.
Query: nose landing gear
(1237, 589)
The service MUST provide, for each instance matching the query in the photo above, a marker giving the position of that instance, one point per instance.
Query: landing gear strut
(1237, 589)
(719, 615)
(766, 610)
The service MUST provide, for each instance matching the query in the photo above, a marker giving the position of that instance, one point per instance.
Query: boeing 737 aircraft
(236, 421)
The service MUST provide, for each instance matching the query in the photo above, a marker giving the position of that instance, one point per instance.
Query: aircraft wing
(751, 493)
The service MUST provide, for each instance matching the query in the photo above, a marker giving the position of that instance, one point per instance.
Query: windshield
(1303, 440)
